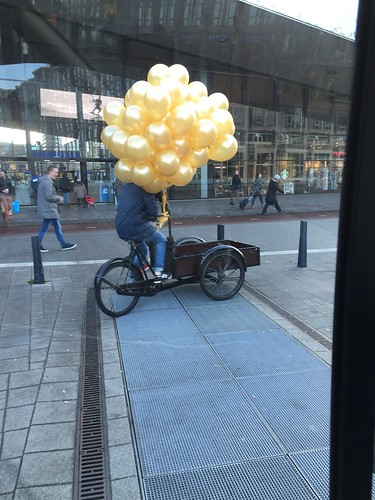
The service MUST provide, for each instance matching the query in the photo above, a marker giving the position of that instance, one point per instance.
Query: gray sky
(334, 15)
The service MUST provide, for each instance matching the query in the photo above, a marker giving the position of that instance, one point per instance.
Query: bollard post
(302, 251)
(220, 231)
(37, 258)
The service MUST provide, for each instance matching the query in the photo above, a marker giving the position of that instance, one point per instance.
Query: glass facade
(288, 85)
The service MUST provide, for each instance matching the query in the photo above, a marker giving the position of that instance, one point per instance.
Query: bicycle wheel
(108, 289)
(188, 240)
(222, 274)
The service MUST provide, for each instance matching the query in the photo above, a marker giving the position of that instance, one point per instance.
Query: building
(288, 84)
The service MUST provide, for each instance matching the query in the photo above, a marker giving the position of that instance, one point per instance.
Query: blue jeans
(66, 198)
(57, 227)
(160, 242)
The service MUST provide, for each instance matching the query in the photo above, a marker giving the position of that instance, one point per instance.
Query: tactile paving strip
(296, 406)
(197, 425)
(268, 479)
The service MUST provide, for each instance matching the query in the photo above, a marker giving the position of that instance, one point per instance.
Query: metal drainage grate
(91, 470)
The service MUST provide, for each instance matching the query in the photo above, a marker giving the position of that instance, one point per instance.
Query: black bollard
(38, 265)
(220, 231)
(302, 251)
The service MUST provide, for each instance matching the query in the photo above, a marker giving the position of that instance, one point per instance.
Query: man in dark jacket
(6, 199)
(65, 186)
(135, 211)
(235, 186)
(271, 196)
(47, 208)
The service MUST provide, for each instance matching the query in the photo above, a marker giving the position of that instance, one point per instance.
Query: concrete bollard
(220, 232)
(302, 251)
(38, 264)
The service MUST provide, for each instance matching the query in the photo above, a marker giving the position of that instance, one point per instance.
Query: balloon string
(164, 203)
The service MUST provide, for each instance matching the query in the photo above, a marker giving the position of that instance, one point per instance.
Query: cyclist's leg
(143, 250)
(160, 242)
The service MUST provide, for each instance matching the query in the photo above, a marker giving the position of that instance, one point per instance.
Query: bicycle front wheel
(110, 289)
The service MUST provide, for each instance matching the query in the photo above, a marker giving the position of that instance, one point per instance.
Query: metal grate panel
(263, 352)
(170, 361)
(296, 405)
(236, 317)
(267, 479)
(314, 465)
(148, 325)
(197, 425)
(193, 296)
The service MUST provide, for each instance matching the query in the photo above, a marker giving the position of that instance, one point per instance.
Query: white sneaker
(159, 277)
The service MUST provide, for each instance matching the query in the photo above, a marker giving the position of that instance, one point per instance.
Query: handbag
(16, 207)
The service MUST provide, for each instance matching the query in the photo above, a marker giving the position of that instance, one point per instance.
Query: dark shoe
(263, 213)
(43, 250)
(281, 212)
(69, 246)
(231, 203)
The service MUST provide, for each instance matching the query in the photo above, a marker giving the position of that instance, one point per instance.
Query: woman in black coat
(271, 196)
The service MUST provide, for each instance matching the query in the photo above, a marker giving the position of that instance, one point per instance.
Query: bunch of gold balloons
(167, 128)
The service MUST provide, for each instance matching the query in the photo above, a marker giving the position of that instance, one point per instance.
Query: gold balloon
(138, 91)
(112, 112)
(107, 132)
(181, 120)
(143, 173)
(184, 175)
(224, 148)
(134, 120)
(197, 89)
(117, 142)
(137, 148)
(174, 89)
(203, 134)
(158, 135)
(180, 73)
(219, 100)
(123, 170)
(166, 163)
(157, 103)
(155, 186)
(196, 158)
(223, 121)
(205, 107)
(127, 98)
(181, 146)
(156, 73)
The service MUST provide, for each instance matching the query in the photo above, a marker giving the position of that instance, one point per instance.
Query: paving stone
(55, 411)
(48, 437)
(122, 463)
(14, 340)
(8, 473)
(126, 488)
(14, 352)
(18, 418)
(114, 387)
(64, 359)
(22, 396)
(61, 374)
(116, 407)
(4, 381)
(13, 444)
(58, 391)
(23, 379)
(46, 468)
(118, 431)
(38, 355)
(62, 346)
(58, 492)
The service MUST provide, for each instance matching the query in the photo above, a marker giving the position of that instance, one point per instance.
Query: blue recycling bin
(104, 193)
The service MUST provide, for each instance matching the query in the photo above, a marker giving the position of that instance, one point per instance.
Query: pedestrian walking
(258, 190)
(80, 192)
(6, 198)
(47, 201)
(234, 187)
(65, 186)
(271, 195)
(117, 190)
